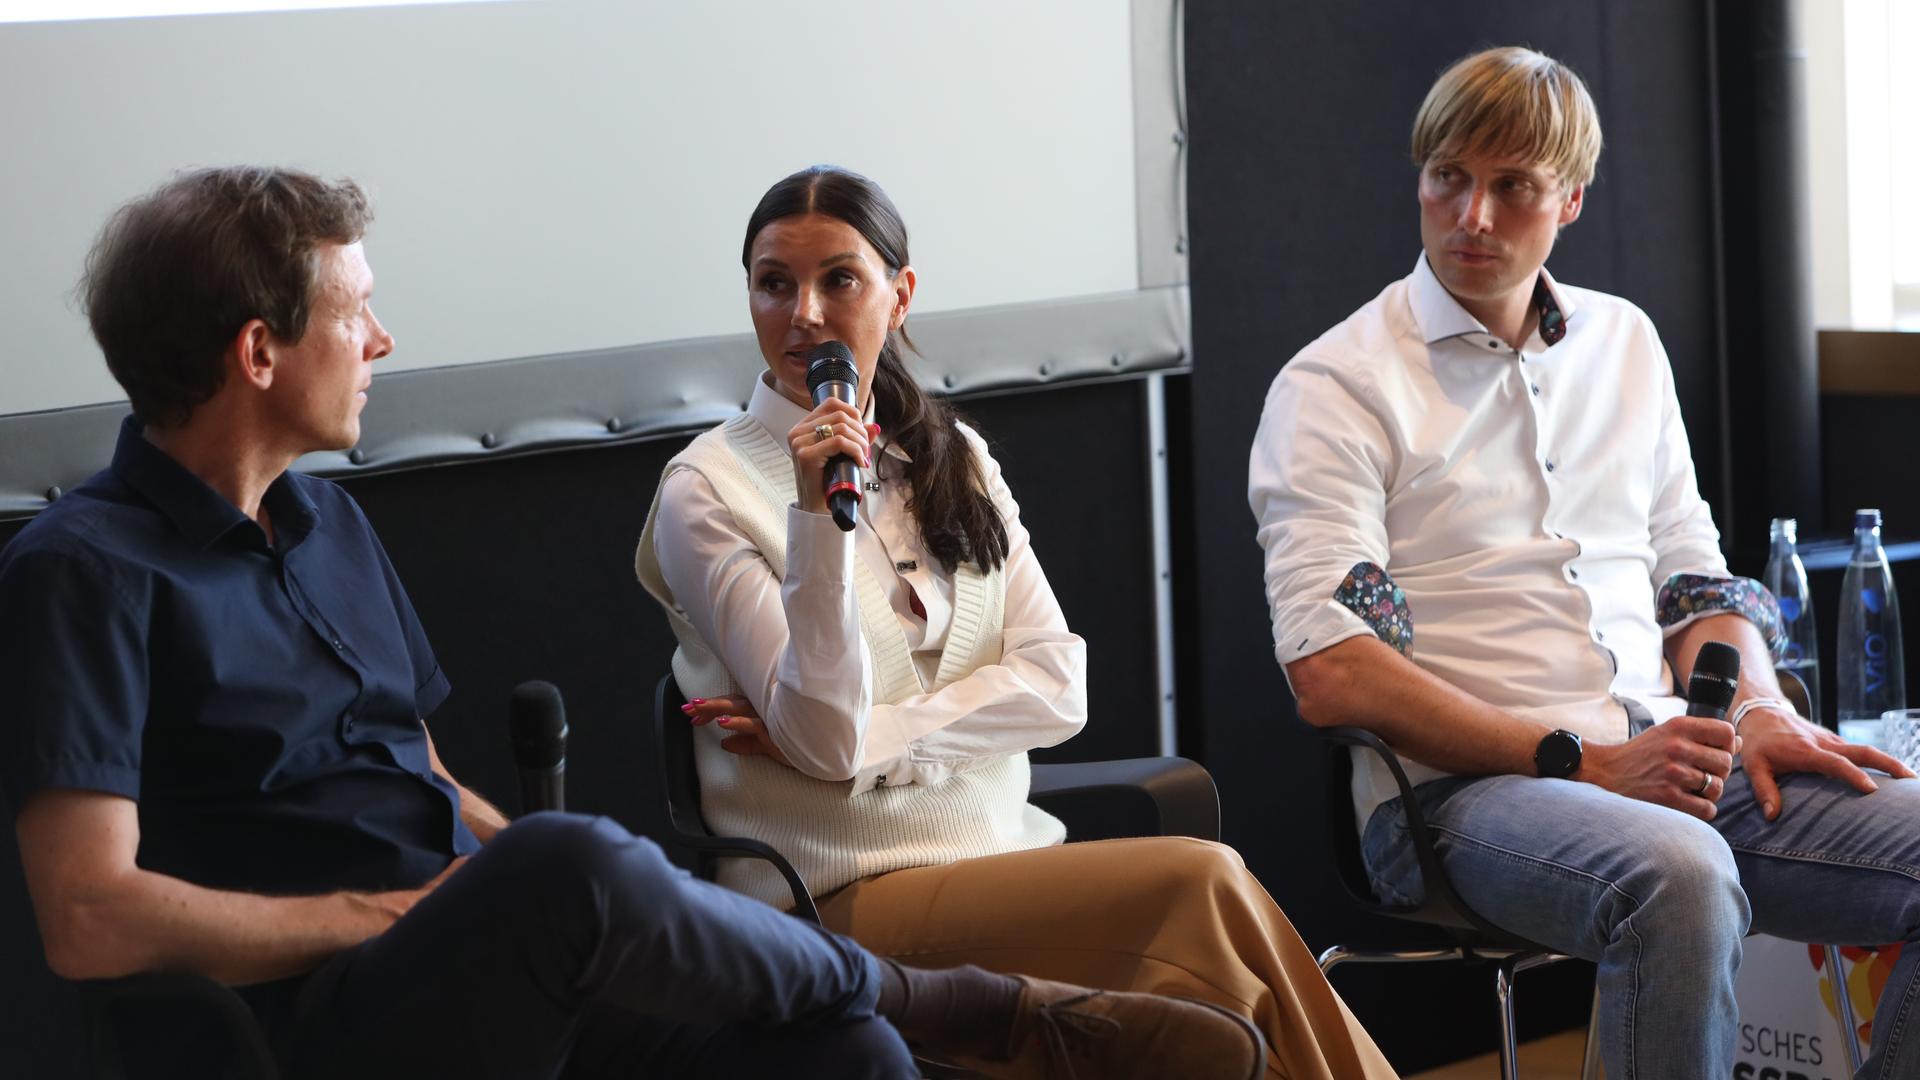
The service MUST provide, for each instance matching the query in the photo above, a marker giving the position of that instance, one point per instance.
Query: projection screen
(561, 188)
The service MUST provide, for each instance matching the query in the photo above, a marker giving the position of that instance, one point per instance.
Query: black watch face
(1558, 754)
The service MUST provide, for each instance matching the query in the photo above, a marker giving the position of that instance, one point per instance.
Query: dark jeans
(567, 947)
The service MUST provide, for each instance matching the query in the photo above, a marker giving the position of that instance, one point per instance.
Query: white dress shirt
(1529, 502)
(796, 647)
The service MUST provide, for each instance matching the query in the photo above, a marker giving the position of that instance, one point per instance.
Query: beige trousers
(1164, 915)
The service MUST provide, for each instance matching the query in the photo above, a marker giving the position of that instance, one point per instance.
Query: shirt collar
(1439, 316)
(778, 414)
(202, 514)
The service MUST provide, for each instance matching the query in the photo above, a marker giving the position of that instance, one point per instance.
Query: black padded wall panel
(1303, 208)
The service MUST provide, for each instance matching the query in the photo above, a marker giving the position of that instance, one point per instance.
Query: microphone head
(1716, 675)
(537, 725)
(831, 362)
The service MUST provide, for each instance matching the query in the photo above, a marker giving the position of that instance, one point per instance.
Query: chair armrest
(1182, 792)
(678, 816)
(99, 996)
(1440, 896)
(1794, 689)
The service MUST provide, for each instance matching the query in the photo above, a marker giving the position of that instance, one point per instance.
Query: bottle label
(1873, 668)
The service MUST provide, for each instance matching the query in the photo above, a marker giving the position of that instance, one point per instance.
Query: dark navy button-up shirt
(261, 702)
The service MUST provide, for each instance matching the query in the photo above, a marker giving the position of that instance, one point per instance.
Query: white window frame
(1864, 175)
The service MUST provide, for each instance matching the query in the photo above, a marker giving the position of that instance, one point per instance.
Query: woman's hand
(746, 732)
(812, 450)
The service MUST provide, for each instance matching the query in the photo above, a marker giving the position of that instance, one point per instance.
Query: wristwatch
(1558, 754)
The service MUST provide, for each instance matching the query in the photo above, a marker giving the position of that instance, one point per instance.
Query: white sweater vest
(833, 838)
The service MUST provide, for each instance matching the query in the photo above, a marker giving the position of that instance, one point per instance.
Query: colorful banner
(1789, 1025)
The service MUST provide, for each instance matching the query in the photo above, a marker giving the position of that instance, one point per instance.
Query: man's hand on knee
(1779, 743)
(1682, 764)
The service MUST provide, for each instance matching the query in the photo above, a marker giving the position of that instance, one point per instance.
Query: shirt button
(1492, 344)
(1549, 464)
(1536, 389)
(1600, 635)
(1572, 573)
(337, 646)
(879, 781)
(349, 723)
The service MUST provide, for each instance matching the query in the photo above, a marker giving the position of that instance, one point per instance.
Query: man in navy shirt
(217, 759)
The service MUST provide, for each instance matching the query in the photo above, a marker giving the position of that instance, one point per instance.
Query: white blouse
(814, 689)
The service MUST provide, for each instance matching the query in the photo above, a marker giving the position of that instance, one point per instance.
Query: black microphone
(831, 373)
(1716, 675)
(537, 724)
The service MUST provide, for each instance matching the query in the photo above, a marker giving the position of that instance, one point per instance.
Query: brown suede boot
(1067, 1032)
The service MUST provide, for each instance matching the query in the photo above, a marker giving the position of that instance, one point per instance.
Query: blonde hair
(1511, 102)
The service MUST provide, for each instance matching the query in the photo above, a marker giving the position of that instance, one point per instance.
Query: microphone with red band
(832, 374)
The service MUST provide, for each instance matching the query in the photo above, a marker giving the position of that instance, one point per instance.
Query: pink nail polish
(699, 701)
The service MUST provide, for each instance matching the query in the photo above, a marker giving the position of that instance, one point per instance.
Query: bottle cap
(1866, 519)
(1784, 529)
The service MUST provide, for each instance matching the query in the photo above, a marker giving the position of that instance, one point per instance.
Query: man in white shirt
(1485, 544)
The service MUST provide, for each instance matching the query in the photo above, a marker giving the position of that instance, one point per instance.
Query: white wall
(557, 175)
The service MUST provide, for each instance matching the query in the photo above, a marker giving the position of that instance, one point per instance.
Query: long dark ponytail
(958, 520)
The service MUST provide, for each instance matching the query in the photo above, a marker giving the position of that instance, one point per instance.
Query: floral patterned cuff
(1369, 593)
(1686, 597)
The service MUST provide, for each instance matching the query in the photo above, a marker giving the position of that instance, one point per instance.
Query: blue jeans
(1660, 900)
(569, 947)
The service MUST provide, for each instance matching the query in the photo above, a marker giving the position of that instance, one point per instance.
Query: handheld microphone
(831, 373)
(537, 724)
(1716, 675)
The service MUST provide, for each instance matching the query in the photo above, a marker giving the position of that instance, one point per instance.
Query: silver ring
(822, 432)
(1706, 781)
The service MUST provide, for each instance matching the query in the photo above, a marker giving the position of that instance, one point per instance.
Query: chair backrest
(672, 746)
(676, 818)
(1344, 831)
(1440, 905)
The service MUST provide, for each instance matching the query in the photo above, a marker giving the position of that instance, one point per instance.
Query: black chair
(1470, 938)
(223, 1022)
(1130, 797)
(1104, 799)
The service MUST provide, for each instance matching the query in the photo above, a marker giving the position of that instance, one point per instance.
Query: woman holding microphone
(867, 698)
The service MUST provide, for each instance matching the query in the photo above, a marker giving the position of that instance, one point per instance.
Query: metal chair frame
(1476, 940)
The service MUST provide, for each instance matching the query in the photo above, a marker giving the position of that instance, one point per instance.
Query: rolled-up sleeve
(1317, 482)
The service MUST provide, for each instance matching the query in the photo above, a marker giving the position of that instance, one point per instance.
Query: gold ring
(822, 432)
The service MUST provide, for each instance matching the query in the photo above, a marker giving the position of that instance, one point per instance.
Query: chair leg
(1590, 1061)
(1341, 954)
(1509, 1043)
(1843, 1005)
